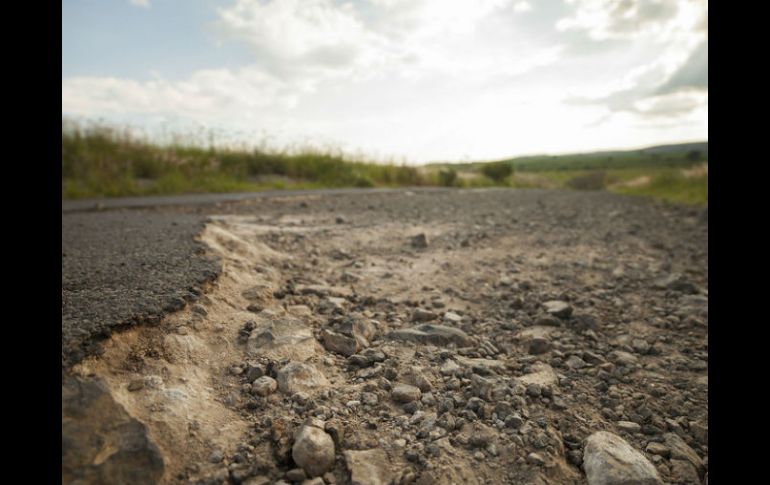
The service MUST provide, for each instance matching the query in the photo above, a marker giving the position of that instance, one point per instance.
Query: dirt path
(463, 337)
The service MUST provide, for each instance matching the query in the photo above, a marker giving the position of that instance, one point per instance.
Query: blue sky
(413, 80)
(170, 39)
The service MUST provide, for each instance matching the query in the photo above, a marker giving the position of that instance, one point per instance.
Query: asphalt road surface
(133, 259)
(121, 267)
(196, 200)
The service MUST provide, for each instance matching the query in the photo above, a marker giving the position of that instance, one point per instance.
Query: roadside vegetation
(102, 161)
(98, 160)
(676, 173)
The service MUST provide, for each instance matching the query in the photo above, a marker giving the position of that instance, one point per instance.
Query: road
(132, 259)
(433, 336)
(193, 200)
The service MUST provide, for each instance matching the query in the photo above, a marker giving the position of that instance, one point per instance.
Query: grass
(672, 186)
(101, 161)
(661, 183)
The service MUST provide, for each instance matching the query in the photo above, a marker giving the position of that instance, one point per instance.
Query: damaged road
(126, 267)
(480, 336)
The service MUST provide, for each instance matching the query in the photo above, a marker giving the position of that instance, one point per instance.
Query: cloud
(655, 89)
(323, 39)
(693, 74)
(431, 78)
(669, 33)
(522, 7)
(313, 33)
(140, 3)
(626, 19)
(328, 68)
(207, 94)
(671, 105)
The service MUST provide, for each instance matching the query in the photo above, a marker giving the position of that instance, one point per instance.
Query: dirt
(697, 171)
(640, 181)
(535, 179)
(314, 279)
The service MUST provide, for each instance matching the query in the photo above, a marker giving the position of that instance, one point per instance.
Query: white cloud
(319, 39)
(317, 32)
(653, 89)
(673, 104)
(693, 73)
(673, 79)
(427, 79)
(629, 19)
(522, 7)
(206, 94)
(140, 3)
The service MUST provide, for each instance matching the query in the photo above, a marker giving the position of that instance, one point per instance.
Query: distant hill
(682, 154)
(702, 146)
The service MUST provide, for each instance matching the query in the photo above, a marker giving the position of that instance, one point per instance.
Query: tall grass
(99, 160)
(673, 186)
(103, 161)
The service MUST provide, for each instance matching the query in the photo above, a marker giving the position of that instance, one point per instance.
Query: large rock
(583, 321)
(404, 393)
(449, 368)
(300, 377)
(420, 241)
(542, 375)
(416, 377)
(313, 450)
(609, 460)
(622, 358)
(539, 345)
(367, 358)
(452, 318)
(438, 335)
(481, 366)
(369, 467)
(341, 344)
(362, 330)
(420, 315)
(558, 308)
(101, 442)
(675, 282)
(684, 473)
(285, 338)
(682, 451)
(264, 386)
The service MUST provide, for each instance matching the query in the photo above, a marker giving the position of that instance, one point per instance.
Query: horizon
(586, 152)
(188, 139)
(423, 81)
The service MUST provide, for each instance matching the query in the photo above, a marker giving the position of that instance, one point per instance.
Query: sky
(411, 81)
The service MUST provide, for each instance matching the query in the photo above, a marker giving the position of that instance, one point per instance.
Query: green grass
(668, 184)
(673, 186)
(670, 156)
(101, 161)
